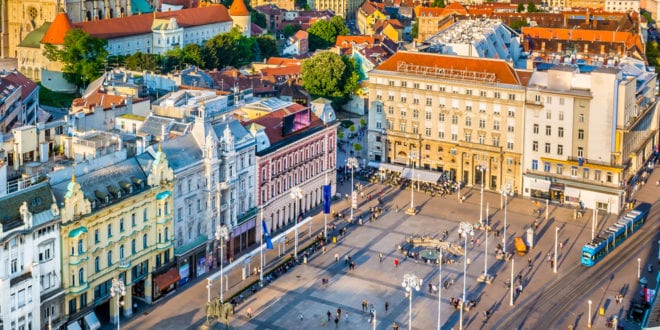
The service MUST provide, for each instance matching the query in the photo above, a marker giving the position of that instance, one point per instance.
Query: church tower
(241, 17)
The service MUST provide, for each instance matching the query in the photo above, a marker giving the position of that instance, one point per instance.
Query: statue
(216, 312)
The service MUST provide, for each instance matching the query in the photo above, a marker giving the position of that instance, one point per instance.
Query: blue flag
(327, 197)
(269, 242)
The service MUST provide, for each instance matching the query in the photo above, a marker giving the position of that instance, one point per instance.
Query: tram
(614, 235)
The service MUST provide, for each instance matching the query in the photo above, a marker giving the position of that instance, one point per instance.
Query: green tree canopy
(231, 48)
(531, 7)
(323, 34)
(414, 31)
(438, 3)
(330, 75)
(141, 61)
(258, 18)
(268, 46)
(340, 134)
(352, 128)
(357, 147)
(520, 8)
(290, 30)
(363, 122)
(82, 57)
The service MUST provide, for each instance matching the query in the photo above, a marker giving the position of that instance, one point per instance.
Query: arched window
(144, 241)
(167, 234)
(109, 258)
(97, 264)
(81, 276)
(80, 246)
(133, 246)
(121, 252)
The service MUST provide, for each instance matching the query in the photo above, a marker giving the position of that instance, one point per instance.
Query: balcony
(124, 263)
(246, 216)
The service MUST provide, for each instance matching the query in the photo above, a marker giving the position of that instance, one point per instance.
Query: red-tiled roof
(627, 38)
(98, 99)
(16, 79)
(283, 61)
(141, 24)
(289, 70)
(238, 8)
(300, 35)
(431, 12)
(503, 73)
(57, 30)
(524, 76)
(347, 41)
(272, 122)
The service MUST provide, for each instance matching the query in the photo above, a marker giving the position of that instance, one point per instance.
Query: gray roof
(180, 127)
(242, 137)
(106, 180)
(181, 152)
(153, 126)
(38, 197)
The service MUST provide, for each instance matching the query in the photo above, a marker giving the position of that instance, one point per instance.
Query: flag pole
(261, 251)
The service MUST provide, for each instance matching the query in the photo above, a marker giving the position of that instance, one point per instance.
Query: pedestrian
(529, 262)
(336, 322)
(364, 305)
(380, 257)
(339, 312)
(430, 287)
(552, 264)
(346, 260)
(396, 262)
(387, 306)
(329, 315)
(561, 245)
(249, 312)
(300, 316)
(336, 257)
(395, 326)
(346, 317)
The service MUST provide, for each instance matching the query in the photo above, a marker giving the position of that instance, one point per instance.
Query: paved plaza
(300, 300)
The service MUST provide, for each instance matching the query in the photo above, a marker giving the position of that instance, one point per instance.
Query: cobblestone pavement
(300, 292)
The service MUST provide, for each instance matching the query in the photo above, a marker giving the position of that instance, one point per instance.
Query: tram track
(553, 303)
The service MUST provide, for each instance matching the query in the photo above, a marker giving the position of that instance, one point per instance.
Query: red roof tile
(17, 79)
(57, 30)
(272, 122)
(141, 24)
(283, 61)
(627, 38)
(499, 69)
(238, 8)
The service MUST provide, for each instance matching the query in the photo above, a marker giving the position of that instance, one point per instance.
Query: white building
(30, 273)
(479, 37)
(588, 133)
(622, 5)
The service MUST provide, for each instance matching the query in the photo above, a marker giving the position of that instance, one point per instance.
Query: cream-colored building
(459, 116)
(344, 8)
(589, 134)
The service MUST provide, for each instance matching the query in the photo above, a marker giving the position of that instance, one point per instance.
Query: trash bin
(334, 239)
(601, 311)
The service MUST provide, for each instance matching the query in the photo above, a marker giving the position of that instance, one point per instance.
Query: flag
(327, 196)
(269, 242)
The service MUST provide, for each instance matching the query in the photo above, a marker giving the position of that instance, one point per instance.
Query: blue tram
(614, 235)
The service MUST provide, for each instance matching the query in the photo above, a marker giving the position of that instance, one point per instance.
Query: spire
(238, 8)
(57, 30)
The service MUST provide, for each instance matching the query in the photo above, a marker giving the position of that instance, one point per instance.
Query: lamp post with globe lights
(410, 282)
(353, 164)
(413, 157)
(296, 195)
(481, 169)
(506, 192)
(118, 290)
(221, 235)
(464, 229)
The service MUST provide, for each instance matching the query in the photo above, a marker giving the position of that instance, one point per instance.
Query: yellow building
(458, 116)
(116, 225)
(366, 16)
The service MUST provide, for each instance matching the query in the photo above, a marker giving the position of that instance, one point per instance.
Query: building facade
(459, 116)
(117, 224)
(30, 273)
(304, 158)
(589, 134)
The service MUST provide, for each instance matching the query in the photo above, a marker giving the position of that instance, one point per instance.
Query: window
(167, 235)
(561, 115)
(468, 92)
(454, 119)
(80, 247)
(441, 135)
(560, 131)
(109, 258)
(581, 118)
(81, 276)
(535, 165)
(415, 113)
(548, 99)
(133, 246)
(144, 214)
(597, 175)
(121, 225)
(580, 152)
(482, 139)
(429, 102)
(537, 99)
(580, 134)
(546, 167)
(109, 230)
(609, 177)
(497, 95)
(429, 87)
(482, 93)
(415, 100)
(428, 115)
(548, 130)
(512, 97)
(14, 266)
(510, 129)
(402, 127)
(441, 117)
(560, 149)
(585, 173)
(468, 121)
(144, 241)
(482, 123)
(468, 108)
(536, 129)
(404, 83)
(510, 113)
(547, 148)
(468, 137)
(454, 137)
(403, 113)
(559, 169)
(535, 145)
(496, 141)
(509, 145)
(561, 101)
(97, 264)
(415, 129)
(548, 115)
(72, 306)
(496, 125)
(427, 131)
(96, 236)
(404, 99)
(574, 171)
(390, 110)
(121, 252)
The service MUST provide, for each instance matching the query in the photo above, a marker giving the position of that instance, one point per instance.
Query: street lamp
(118, 289)
(506, 193)
(486, 278)
(464, 229)
(481, 169)
(221, 234)
(410, 282)
(296, 194)
(555, 262)
(511, 286)
(208, 289)
(639, 269)
(589, 316)
(440, 291)
(352, 163)
(413, 156)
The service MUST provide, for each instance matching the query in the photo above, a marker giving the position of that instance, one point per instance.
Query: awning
(73, 326)
(163, 281)
(92, 321)
(573, 192)
(386, 166)
(77, 232)
(542, 185)
(422, 175)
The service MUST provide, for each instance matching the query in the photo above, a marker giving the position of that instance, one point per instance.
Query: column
(113, 310)
(128, 301)
(148, 294)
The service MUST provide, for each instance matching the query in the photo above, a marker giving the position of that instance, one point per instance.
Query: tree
(414, 31)
(531, 7)
(521, 8)
(363, 122)
(231, 48)
(193, 54)
(357, 147)
(330, 75)
(517, 25)
(352, 129)
(258, 18)
(340, 134)
(340, 27)
(323, 34)
(268, 46)
(140, 61)
(290, 30)
(82, 57)
(438, 3)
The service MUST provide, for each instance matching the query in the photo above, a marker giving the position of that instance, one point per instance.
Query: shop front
(539, 189)
(243, 236)
(166, 282)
